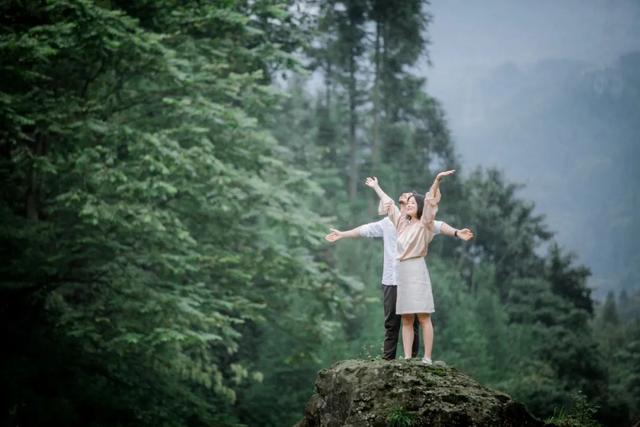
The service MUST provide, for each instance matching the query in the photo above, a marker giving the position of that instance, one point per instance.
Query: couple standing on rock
(406, 285)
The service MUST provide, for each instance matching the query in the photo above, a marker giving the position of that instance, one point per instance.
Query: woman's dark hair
(419, 201)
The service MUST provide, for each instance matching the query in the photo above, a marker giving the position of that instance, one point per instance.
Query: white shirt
(385, 229)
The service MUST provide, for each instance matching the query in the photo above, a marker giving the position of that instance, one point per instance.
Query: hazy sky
(492, 32)
(469, 37)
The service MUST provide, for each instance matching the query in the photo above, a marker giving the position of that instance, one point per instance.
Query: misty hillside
(579, 125)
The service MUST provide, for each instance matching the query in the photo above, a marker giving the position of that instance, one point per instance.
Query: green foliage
(399, 417)
(581, 413)
(568, 281)
(620, 343)
(508, 231)
(149, 215)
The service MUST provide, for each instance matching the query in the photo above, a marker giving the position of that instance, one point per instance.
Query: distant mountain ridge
(569, 131)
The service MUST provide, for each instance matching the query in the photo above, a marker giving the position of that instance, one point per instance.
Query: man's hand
(334, 236)
(465, 234)
(371, 182)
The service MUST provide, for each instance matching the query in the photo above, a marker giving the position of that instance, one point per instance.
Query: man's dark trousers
(392, 323)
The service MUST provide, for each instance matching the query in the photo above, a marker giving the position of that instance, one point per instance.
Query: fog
(549, 92)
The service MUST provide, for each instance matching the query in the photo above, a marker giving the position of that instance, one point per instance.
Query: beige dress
(412, 275)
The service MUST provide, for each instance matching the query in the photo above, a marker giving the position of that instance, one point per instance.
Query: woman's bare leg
(407, 334)
(427, 333)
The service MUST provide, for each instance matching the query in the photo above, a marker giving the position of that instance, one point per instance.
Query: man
(384, 229)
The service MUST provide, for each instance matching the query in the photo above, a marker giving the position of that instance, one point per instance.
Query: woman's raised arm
(432, 198)
(435, 187)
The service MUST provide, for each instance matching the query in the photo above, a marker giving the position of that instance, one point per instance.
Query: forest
(169, 171)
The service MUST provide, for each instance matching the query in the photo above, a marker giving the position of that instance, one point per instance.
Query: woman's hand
(465, 234)
(445, 173)
(334, 236)
(435, 187)
(371, 182)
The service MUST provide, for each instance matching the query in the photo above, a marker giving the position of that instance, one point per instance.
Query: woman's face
(402, 201)
(412, 207)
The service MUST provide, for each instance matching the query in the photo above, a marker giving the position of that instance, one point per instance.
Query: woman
(415, 232)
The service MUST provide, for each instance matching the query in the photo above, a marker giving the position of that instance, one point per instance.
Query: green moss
(399, 417)
(441, 372)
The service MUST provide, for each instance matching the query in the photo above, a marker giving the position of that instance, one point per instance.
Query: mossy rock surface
(374, 392)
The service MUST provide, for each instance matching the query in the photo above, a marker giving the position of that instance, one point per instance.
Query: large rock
(407, 393)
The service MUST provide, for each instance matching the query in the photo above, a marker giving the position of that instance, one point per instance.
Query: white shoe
(427, 361)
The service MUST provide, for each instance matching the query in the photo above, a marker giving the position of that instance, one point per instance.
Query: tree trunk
(333, 149)
(385, 59)
(353, 119)
(328, 78)
(33, 184)
(375, 149)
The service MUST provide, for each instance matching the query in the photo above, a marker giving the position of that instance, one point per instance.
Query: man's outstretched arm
(373, 229)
